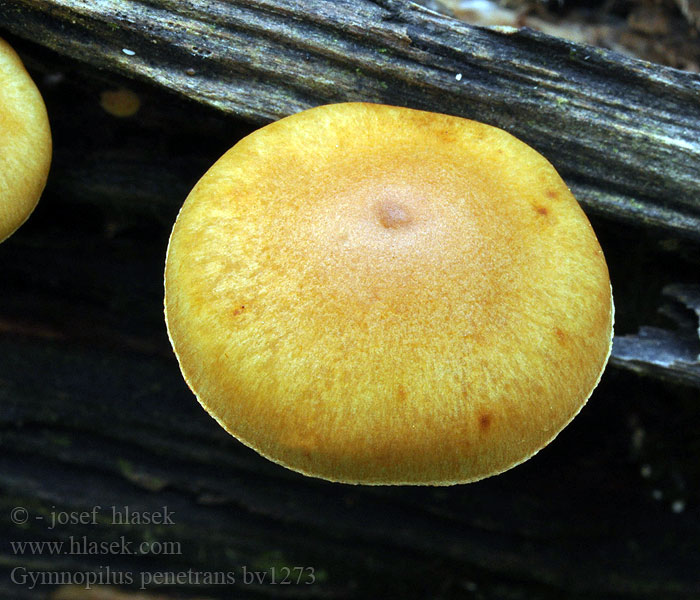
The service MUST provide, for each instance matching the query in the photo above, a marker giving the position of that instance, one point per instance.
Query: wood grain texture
(623, 133)
(666, 353)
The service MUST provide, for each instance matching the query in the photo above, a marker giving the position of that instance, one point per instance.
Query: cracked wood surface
(623, 133)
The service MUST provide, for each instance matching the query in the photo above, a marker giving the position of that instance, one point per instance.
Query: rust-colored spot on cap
(485, 419)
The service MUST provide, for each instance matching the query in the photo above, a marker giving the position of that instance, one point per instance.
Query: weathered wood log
(669, 354)
(623, 133)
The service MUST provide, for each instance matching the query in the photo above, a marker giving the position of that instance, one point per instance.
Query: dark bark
(669, 354)
(623, 133)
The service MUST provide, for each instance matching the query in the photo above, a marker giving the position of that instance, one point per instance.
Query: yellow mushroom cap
(379, 295)
(25, 142)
